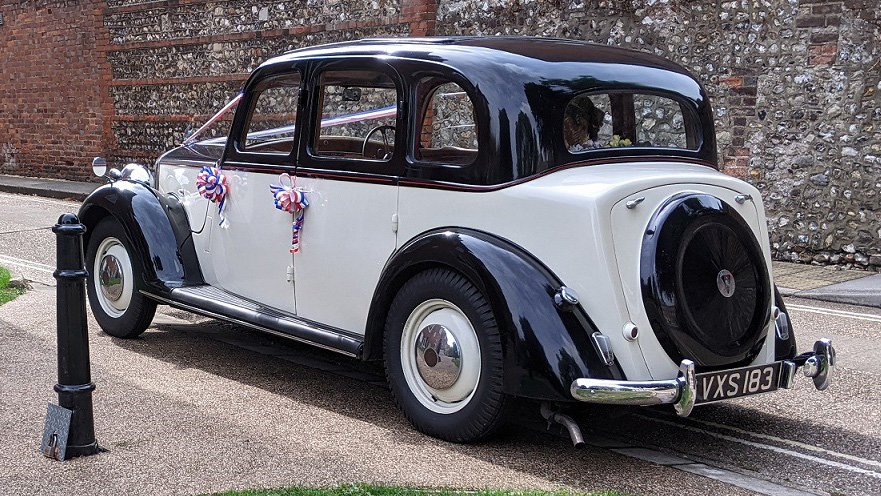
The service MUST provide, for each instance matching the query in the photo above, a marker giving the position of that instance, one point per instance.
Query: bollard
(75, 385)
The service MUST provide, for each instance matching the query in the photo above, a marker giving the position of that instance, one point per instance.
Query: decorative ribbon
(213, 185)
(288, 198)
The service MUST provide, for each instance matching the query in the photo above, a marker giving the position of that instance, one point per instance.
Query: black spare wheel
(705, 283)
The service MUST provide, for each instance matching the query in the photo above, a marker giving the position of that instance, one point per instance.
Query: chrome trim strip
(787, 374)
(603, 346)
(214, 315)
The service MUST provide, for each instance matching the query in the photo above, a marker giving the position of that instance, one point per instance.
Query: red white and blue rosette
(288, 198)
(214, 186)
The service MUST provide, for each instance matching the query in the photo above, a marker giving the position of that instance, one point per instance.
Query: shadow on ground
(356, 389)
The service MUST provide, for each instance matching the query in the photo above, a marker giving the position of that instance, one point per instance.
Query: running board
(220, 304)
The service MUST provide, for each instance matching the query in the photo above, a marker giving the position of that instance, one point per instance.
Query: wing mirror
(99, 167)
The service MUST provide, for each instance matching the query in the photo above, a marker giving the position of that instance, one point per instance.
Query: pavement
(50, 188)
(196, 405)
(828, 283)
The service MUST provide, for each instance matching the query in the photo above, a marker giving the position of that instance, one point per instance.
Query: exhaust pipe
(566, 421)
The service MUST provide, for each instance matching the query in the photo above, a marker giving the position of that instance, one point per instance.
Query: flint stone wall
(795, 86)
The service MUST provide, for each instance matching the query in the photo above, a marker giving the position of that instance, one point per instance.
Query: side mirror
(99, 166)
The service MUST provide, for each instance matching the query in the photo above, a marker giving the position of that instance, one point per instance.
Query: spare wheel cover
(705, 283)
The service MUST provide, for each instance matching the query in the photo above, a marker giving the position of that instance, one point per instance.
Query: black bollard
(74, 375)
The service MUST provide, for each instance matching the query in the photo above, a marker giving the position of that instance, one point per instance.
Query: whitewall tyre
(118, 307)
(443, 357)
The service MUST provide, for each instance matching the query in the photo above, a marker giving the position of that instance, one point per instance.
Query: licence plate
(727, 384)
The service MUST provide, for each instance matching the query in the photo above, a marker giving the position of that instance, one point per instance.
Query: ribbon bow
(288, 198)
(213, 185)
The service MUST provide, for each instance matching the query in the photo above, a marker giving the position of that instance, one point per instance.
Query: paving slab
(865, 291)
(52, 188)
(834, 284)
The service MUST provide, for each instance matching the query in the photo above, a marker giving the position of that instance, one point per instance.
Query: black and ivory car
(494, 218)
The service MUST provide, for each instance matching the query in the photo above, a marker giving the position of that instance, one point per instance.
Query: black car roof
(505, 48)
(521, 86)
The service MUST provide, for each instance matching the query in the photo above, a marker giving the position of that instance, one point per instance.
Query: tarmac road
(198, 405)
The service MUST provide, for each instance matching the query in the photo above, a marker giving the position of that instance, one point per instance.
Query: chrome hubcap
(438, 356)
(111, 278)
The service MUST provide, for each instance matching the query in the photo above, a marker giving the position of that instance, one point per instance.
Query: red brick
(822, 54)
(731, 82)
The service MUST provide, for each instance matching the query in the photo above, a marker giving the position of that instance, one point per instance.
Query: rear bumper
(681, 391)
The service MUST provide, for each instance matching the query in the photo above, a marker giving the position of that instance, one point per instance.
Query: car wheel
(118, 307)
(443, 357)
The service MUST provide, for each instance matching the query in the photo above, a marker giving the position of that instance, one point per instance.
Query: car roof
(505, 49)
(520, 88)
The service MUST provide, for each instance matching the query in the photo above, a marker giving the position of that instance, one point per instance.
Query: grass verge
(7, 294)
(369, 490)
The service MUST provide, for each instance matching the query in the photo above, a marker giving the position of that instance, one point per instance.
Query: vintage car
(493, 218)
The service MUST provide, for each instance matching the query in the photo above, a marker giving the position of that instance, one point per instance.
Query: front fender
(545, 347)
(157, 228)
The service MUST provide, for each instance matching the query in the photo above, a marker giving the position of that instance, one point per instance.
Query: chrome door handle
(634, 202)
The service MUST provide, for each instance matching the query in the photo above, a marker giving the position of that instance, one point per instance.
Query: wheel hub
(111, 277)
(725, 283)
(438, 356)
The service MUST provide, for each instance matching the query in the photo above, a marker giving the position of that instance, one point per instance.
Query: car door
(348, 167)
(250, 252)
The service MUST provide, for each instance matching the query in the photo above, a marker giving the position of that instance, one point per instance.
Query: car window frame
(692, 122)
(236, 151)
(310, 162)
(417, 116)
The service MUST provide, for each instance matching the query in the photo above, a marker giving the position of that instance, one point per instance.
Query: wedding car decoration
(213, 186)
(491, 218)
(289, 199)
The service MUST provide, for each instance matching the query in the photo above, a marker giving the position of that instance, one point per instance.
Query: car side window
(270, 127)
(447, 126)
(358, 115)
(608, 120)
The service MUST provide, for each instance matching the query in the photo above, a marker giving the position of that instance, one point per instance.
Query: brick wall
(53, 112)
(796, 84)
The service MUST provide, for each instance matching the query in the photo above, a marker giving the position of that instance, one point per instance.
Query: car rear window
(447, 128)
(595, 121)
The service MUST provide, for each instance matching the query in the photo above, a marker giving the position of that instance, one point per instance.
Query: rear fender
(545, 347)
(157, 228)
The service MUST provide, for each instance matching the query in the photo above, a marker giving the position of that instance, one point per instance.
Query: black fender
(545, 347)
(158, 229)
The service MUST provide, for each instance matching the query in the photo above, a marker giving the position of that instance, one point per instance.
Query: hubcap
(111, 278)
(438, 356)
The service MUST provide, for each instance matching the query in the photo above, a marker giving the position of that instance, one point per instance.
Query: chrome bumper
(682, 393)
